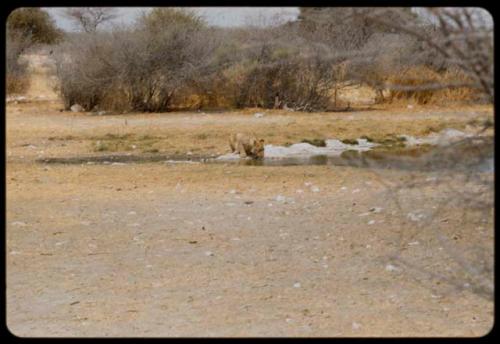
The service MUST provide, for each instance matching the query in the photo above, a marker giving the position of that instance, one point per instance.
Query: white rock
(343, 188)
(315, 189)
(258, 115)
(376, 210)
(132, 212)
(371, 222)
(280, 198)
(299, 191)
(415, 216)
(19, 224)
(390, 267)
(355, 326)
(77, 108)
(307, 183)
(209, 253)
(296, 285)
(413, 243)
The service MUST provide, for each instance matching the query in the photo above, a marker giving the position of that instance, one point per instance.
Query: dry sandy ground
(157, 249)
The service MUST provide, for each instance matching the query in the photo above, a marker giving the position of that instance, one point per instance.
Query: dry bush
(139, 68)
(269, 68)
(461, 37)
(17, 80)
(407, 86)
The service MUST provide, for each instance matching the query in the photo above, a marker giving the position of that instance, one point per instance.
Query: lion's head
(258, 149)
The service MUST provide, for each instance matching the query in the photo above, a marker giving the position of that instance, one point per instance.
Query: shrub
(140, 68)
(16, 78)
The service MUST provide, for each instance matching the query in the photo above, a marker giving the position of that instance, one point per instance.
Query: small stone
(390, 267)
(315, 189)
(209, 253)
(371, 222)
(296, 285)
(355, 191)
(280, 198)
(355, 326)
(19, 224)
(77, 108)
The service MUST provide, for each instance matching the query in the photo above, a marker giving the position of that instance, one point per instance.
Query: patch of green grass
(349, 154)
(315, 142)
(101, 147)
(349, 141)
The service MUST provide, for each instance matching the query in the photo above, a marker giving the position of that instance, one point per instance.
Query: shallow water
(461, 152)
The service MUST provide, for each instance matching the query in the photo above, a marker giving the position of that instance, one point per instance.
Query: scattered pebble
(296, 285)
(415, 217)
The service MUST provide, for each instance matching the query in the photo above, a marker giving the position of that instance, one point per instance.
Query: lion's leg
(241, 150)
(232, 141)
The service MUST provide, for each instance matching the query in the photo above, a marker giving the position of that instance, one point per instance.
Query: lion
(247, 145)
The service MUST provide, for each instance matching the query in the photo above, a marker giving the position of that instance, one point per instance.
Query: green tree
(33, 24)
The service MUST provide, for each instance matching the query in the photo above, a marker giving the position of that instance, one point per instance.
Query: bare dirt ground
(155, 249)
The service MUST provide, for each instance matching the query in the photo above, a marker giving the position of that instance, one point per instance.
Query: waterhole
(469, 154)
